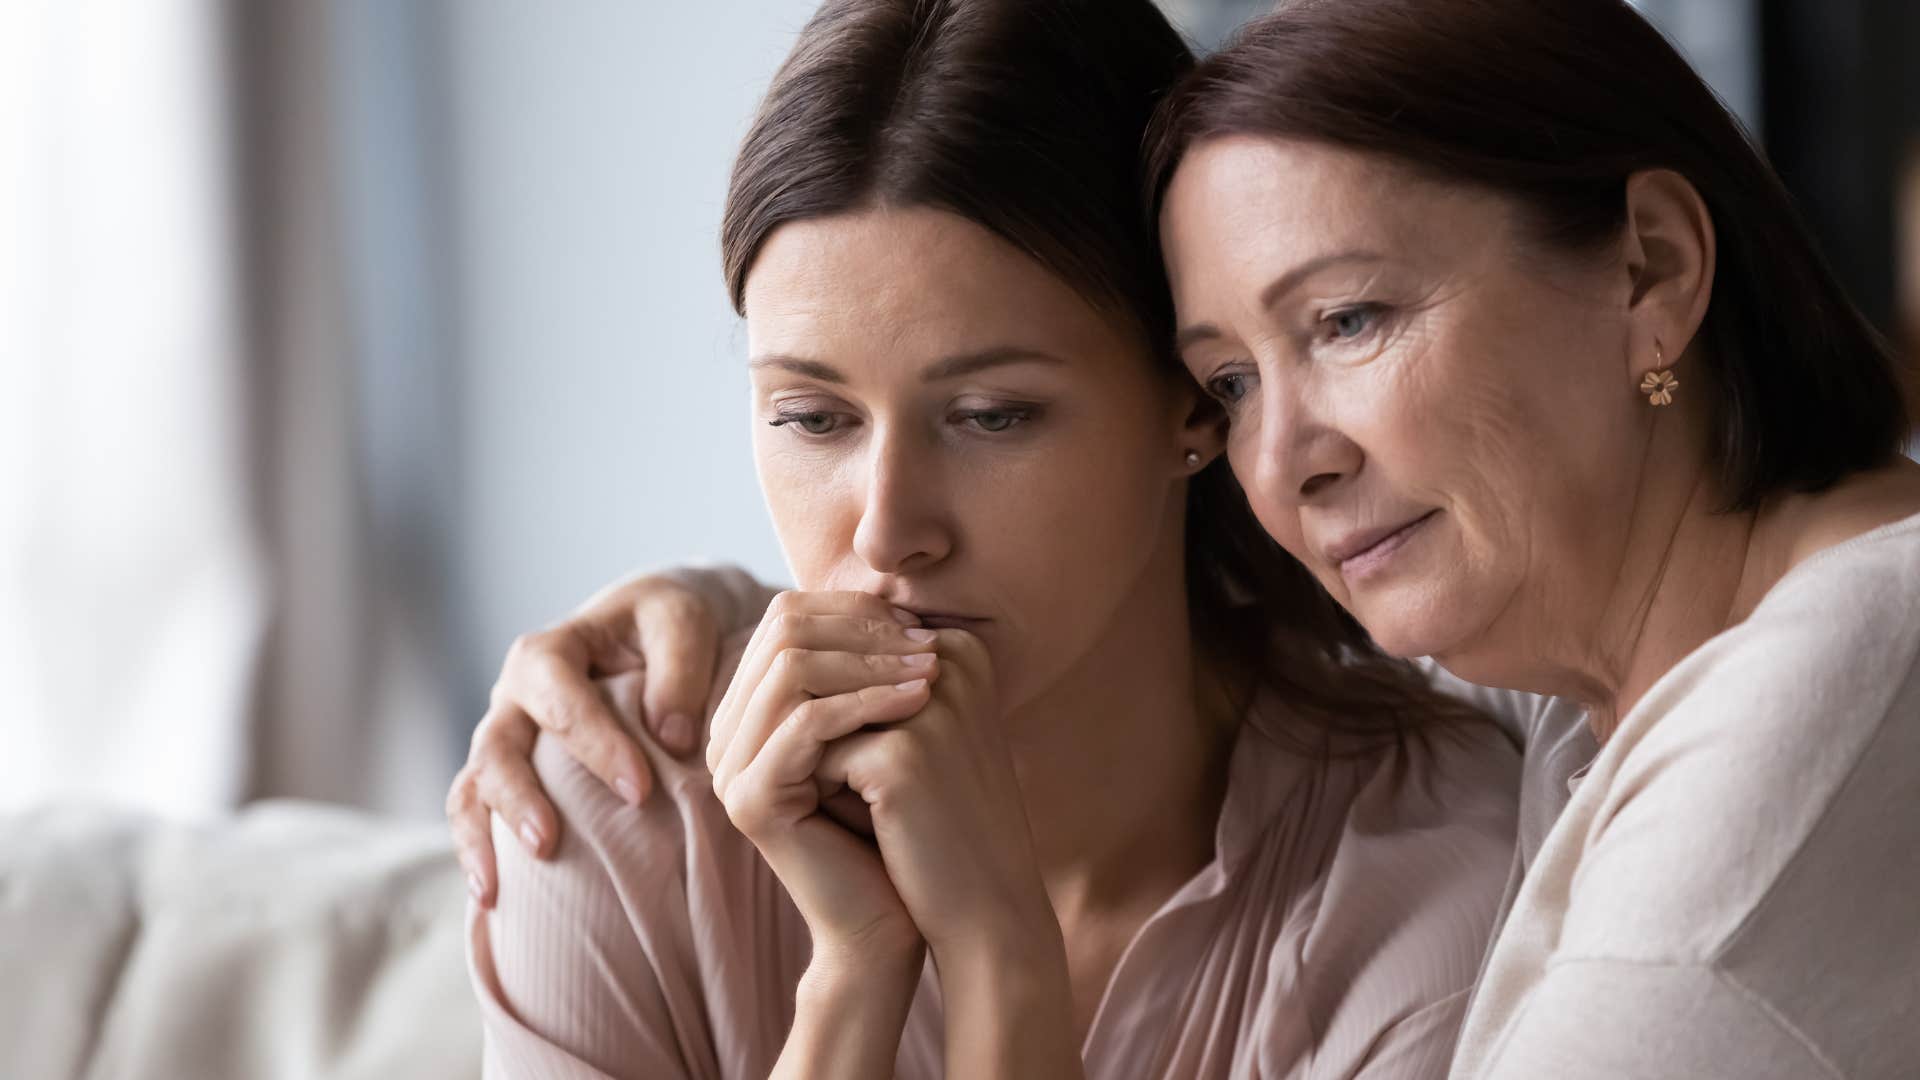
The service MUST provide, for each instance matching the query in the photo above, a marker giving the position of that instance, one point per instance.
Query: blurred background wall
(342, 340)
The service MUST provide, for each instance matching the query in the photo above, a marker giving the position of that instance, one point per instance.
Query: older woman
(1528, 360)
(1048, 711)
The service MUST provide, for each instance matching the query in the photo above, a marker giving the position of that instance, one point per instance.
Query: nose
(1300, 455)
(903, 522)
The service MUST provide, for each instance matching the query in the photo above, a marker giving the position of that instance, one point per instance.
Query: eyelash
(1371, 312)
(1216, 386)
(1016, 415)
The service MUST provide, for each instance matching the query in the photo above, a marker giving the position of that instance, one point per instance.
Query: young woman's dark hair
(1554, 105)
(1026, 117)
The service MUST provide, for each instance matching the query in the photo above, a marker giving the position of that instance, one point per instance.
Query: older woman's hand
(672, 623)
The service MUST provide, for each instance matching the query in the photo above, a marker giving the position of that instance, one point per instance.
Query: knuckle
(679, 605)
(785, 602)
(806, 717)
(460, 797)
(526, 645)
(788, 662)
(786, 627)
(491, 762)
(744, 808)
(903, 755)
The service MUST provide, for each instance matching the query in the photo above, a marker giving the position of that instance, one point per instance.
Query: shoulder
(1748, 794)
(641, 851)
(617, 950)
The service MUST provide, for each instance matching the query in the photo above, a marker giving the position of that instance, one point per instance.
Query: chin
(1409, 622)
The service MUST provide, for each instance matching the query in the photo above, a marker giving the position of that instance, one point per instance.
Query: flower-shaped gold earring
(1659, 384)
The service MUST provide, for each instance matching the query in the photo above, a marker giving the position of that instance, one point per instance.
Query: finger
(796, 675)
(501, 763)
(795, 602)
(680, 639)
(560, 697)
(472, 838)
(792, 624)
(792, 752)
(873, 764)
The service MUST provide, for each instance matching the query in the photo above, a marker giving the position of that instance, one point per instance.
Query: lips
(1356, 544)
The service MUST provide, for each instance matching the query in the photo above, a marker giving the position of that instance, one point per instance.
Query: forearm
(1009, 1011)
(848, 1017)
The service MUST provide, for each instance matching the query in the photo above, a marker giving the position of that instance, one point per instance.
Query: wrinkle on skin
(1498, 392)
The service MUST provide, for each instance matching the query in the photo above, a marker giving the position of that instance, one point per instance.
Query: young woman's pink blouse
(1335, 934)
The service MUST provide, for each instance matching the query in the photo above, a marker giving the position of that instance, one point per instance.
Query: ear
(1203, 427)
(1670, 260)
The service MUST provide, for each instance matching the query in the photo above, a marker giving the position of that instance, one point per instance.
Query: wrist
(839, 973)
(1013, 1000)
(848, 1015)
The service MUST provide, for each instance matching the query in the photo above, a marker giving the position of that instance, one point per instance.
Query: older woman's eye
(813, 423)
(1349, 323)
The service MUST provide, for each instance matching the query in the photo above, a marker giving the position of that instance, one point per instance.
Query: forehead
(917, 281)
(1254, 201)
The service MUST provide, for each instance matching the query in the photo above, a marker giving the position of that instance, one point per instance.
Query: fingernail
(531, 834)
(915, 684)
(921, 634)
(677, 731)
(473, 887)
(628, 791)
(905, 617)
(918, 660)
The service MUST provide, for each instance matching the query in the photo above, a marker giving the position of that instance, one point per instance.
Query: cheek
(811, 502)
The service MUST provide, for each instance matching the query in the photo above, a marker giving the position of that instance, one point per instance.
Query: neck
(1687, 575)
(1121, 766)
(1685, 571)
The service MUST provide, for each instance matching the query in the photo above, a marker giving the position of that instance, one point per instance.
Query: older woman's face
(1430, 413)
(942, 422)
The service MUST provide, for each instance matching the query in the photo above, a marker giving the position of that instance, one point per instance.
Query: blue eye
(1228, 389)
(1350, 323)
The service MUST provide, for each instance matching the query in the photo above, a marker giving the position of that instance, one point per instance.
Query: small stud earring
(1659, 384)
(1193, 459)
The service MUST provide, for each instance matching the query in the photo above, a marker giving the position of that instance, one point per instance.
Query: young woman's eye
(1229, 388)
(994, 421)
(812, 423)
(1349, 323)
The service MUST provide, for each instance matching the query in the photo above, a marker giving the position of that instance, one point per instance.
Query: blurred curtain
(194, 610)
(133, 591)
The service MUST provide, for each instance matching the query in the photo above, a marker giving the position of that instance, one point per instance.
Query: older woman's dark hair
(1555, 105)
(1026, 117)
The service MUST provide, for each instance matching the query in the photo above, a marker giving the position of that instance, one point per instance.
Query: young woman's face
(942, 422)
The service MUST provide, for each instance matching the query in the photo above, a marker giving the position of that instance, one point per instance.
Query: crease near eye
(1350, 322)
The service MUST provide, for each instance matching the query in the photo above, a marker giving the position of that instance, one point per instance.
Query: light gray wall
(601, 394)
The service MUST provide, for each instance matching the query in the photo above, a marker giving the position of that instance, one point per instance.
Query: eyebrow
(1277, 288)
(951, 367)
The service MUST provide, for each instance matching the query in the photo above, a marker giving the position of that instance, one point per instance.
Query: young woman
(1053, 761)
